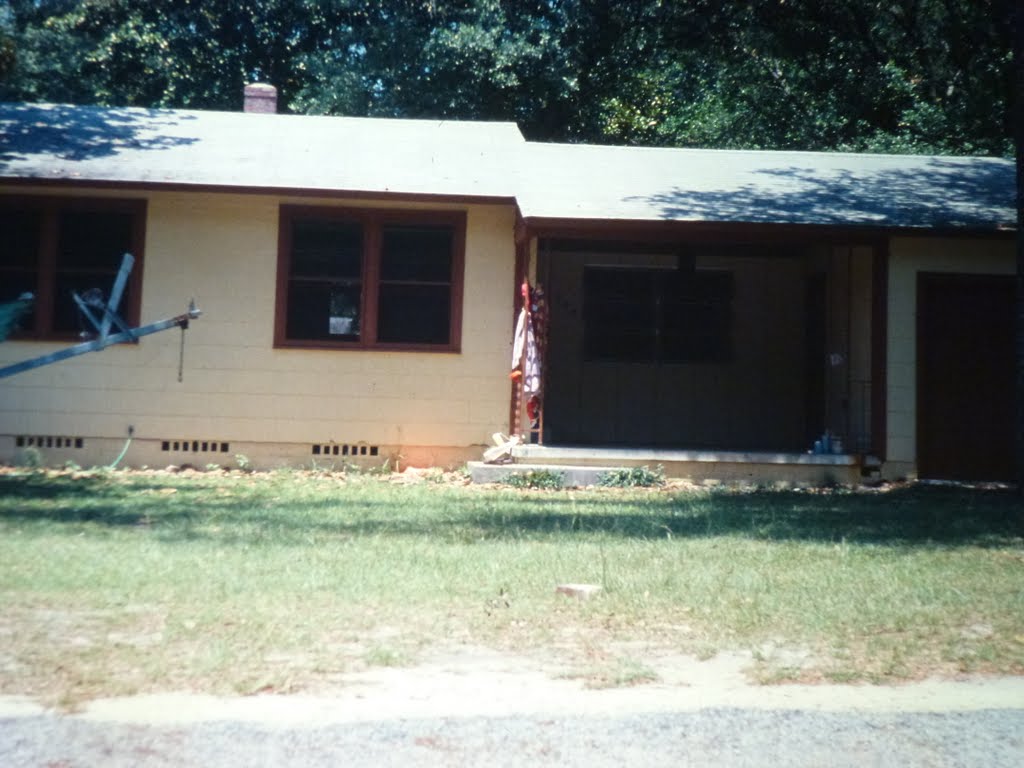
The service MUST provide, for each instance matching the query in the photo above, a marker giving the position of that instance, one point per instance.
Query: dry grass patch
(123, 582)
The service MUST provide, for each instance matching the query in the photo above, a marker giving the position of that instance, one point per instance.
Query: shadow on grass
(910, 516)
(273, 513)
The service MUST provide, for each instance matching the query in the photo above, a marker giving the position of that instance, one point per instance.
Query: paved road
(720, 737)
(491, 709)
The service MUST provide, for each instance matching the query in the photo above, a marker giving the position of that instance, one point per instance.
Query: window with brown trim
(53, 247)
(369, 279)
(656, 315)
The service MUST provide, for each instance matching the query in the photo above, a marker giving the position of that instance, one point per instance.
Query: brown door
(965, 377)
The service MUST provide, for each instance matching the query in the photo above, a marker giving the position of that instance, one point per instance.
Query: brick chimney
(260, 98)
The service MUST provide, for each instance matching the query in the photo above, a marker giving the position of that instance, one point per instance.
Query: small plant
(631, 672)
(633, 477)
(213, 467)
(383, 469)
(543, 479)
(321, 468)
(615, 673)
(243, 462)
(434, 475)
(30, 458)
(72, 466)
(385, 656)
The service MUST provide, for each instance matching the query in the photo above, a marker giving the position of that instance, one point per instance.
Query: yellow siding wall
(222, 250)
(908, 257)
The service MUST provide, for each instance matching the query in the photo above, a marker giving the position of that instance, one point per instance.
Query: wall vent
(48, 441)
(335, 449)
(195, 446)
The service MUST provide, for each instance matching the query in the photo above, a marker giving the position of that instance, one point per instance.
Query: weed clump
(633, 477)
(543, 479)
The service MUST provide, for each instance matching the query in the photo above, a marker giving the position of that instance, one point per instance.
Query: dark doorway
(965, 377)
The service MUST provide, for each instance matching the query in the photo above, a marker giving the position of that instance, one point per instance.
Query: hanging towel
(526, 343)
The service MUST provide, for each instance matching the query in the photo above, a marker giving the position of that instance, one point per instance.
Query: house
(717, 312)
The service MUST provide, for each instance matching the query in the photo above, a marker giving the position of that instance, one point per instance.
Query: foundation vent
(336, 449)
(195, 446)
(48, 441)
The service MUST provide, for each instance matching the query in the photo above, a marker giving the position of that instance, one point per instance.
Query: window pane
(67, 318)
(414, 314)
(19, 238)
(323, 312)
(93, 240)
(697, 318)
(416, 253)
(620, 321)
(649, 315)
(14, 284)
(19, 255)
(326, 248)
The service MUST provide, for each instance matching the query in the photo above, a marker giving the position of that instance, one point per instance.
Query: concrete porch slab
(747, 467)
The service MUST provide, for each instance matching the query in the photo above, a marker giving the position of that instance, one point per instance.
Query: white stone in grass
(579, 591)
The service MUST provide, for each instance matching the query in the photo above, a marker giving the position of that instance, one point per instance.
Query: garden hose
(115, 462)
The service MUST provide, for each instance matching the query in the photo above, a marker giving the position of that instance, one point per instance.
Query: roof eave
(242, 189)
(670, 229)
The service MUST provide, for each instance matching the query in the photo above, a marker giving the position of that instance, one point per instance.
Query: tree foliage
(874, 75)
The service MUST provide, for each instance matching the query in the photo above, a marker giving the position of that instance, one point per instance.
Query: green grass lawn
(119, 582)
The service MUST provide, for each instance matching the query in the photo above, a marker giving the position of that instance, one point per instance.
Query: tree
(483, 59)
(865, 75)
(916, 75)
(181, 53)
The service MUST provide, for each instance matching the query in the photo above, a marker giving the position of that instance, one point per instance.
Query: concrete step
(730, 467)
(572, 476)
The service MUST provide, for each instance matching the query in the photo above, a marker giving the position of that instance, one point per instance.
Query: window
(54, 247)
(362, 279)
(657, 315)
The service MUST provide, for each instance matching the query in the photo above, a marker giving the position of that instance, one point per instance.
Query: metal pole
(115, 295)
(181, 321)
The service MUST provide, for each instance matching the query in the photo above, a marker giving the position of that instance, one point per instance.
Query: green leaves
(864, 75)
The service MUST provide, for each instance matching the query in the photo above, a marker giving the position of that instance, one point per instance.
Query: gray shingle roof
(491, 160)
(235, 149)
(597, 182)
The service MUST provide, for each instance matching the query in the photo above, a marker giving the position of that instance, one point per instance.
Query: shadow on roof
(937, 193)
(80, 133)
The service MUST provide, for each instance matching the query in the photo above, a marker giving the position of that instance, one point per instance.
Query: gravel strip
(722, 737)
